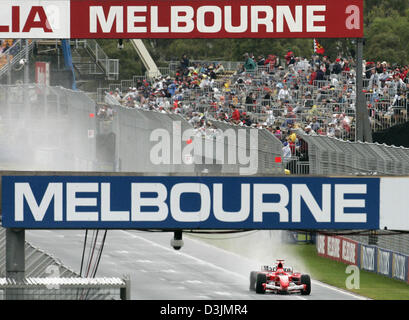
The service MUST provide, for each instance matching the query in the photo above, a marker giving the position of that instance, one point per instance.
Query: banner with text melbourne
(181, 19)
(139, 202)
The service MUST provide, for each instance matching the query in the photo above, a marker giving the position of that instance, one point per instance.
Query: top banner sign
(54, 19)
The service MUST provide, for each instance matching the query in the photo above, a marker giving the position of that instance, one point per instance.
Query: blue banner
(369, 258)
(385, 262)
(142, 202)
(400, 267)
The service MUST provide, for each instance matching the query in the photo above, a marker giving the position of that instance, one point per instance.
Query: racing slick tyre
(261, 278)
(305, 279)
(253, 278)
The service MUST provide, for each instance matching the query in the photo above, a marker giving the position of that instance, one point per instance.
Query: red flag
(318, 48)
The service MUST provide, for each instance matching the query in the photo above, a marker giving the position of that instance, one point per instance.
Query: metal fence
(109, 66)
(46, 128)
(384, 239)
(152, 141)
(331, 156)
(65, 289)
(228, 65)
(13, 55)
(264, 156)
(139, 148)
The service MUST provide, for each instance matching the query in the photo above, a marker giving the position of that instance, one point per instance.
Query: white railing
(20, 46)
(109, 66)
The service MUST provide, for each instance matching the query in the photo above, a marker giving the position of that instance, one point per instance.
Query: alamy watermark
(231, 146)
(352, 281)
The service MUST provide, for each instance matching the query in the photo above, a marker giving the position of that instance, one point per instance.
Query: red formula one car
(279, 279)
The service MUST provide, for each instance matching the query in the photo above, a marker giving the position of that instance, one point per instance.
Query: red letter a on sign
(43, 23)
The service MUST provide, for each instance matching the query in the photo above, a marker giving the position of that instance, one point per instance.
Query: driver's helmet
(280, 269)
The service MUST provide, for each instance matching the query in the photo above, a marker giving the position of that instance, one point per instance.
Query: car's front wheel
(305, 279)
(253, 279)
(261, 279)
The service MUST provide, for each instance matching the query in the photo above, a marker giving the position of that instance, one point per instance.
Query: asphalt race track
(158, 272)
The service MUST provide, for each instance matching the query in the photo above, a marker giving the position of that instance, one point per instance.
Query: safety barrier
(266, 154)
(387, 240)
(46, 128)
(328, 156)
(371, 258)
(152, 141)
(139, 148)
(65, 289)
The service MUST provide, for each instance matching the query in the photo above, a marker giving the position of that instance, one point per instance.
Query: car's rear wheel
(305, 279)
(261, 278)
(253, 279)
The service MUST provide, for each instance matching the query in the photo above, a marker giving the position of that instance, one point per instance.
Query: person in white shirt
(284, 94)
(286, 152)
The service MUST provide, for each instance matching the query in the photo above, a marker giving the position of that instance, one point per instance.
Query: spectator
(320, 75)
(336, 68)
(249, 64)
(373, 80)
(286, 151)
(261, 61)
(184, 62)
(236, 114)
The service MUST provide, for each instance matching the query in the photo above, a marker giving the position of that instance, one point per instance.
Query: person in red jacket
(313, 76)
(270, 62)
(236, 114)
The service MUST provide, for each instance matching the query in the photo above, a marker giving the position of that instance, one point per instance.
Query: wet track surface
(158, 272)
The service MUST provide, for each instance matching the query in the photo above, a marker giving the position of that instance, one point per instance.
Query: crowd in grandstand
(315, 95)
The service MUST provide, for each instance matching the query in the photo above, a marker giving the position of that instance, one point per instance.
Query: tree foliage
(386, 28)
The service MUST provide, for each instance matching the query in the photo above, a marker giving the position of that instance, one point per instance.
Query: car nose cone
(284, 282)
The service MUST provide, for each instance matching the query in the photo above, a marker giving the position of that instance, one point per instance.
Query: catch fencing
(152, 141)
(388, 240)
(266, 153)
(46, 128)
(65, 289)
(389, 263)
(139, 148)
(331, 156)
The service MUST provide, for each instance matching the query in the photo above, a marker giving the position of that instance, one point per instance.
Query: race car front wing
(290, 288)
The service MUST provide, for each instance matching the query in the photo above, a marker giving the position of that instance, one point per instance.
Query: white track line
(185, 255)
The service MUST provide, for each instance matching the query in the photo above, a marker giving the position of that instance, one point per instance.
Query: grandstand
(288, 100)
(285, 97)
